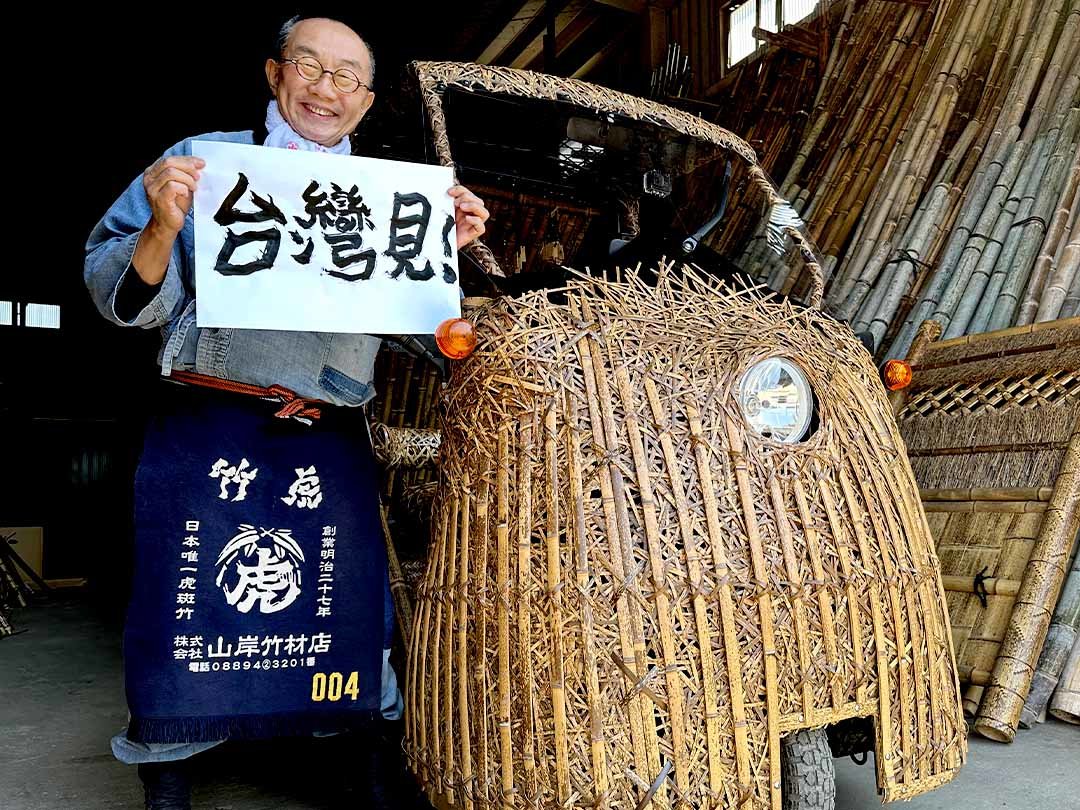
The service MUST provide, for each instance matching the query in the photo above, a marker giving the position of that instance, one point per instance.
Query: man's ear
(273, 73)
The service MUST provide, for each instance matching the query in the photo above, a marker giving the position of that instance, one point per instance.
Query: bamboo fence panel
(992, 425)
(999, 713)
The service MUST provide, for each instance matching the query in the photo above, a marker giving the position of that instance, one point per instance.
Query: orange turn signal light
(897, 375)
(456, 338)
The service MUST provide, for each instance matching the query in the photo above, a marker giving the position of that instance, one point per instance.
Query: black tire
(808, 780)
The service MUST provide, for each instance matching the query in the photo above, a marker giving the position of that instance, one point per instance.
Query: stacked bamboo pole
(1060, 640)
(1066, 703)
(938, 168)
(978, 274)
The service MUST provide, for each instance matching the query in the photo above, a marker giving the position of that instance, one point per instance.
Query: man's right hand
(170, 187)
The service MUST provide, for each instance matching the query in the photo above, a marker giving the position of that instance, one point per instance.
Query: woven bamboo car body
(631, 595)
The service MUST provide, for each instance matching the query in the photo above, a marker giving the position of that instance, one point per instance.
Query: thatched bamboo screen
(938, 166)
(992, 425)
(631, 593)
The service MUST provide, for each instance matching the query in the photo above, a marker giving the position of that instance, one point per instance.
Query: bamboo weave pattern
(626, 580)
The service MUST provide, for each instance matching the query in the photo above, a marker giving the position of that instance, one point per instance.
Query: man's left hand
(469, 215)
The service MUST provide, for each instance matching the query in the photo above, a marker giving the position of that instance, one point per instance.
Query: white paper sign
(323, 243)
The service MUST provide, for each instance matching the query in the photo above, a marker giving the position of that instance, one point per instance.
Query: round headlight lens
(776, 400)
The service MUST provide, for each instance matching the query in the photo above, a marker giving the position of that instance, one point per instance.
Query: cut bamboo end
(994, 730)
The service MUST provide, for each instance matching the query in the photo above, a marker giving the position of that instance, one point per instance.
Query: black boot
(166, 785)
(379, 779)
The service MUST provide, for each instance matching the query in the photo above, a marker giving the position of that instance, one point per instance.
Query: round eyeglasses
(311, 70)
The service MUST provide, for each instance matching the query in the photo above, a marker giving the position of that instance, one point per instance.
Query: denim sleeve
(108, 259)
(133, 295)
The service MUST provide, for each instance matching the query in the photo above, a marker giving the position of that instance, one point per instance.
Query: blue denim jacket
(334, 367)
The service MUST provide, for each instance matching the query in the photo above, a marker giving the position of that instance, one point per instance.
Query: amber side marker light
(897, 375)
(456, 338)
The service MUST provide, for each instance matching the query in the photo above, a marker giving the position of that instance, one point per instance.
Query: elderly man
(139, 270)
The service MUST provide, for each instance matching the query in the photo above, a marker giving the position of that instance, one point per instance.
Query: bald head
(286, 31)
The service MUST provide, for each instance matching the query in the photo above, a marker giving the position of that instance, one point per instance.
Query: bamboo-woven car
(675, 535)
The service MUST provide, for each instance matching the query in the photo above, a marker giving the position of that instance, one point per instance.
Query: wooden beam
(562, 21)
(602, 55)
(520, 21)
(654, 38)
(571, 34)
(795, 33)
(788, 41)
(550, 33)
(632, 6)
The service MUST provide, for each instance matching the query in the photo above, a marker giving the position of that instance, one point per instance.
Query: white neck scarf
(283, 136)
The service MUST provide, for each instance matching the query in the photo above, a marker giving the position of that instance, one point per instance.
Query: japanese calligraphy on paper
(327, 243)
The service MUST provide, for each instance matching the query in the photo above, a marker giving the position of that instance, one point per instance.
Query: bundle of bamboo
(939, 167)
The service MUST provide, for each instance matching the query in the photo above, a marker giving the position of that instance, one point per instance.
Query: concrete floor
(61, 699)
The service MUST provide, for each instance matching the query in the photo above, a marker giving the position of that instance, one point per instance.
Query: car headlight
(776, 400)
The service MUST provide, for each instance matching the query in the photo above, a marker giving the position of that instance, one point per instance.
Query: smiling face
(318, 110)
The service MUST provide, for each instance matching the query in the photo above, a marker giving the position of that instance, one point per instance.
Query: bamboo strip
(554, 594)
(727, 606)
(629, 635)
(606, 423)
(825, 600)
(523, 601)
(717, 772)
(802, 633)
(463, 668)
(502, 614)
(453, 648)
(656, 554)
(484, 712)
(991, 585)
(598, 757)
(987, 494)
(746, 502)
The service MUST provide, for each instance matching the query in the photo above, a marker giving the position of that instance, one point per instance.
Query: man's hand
(469, 215)
(170, 187)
